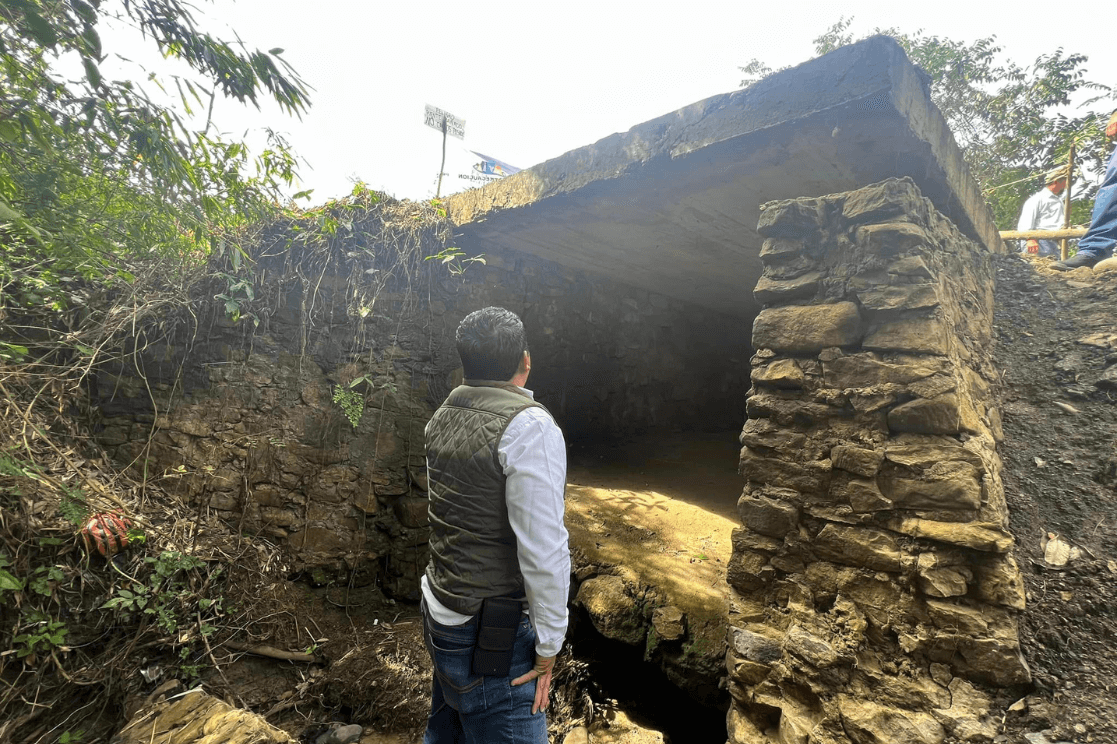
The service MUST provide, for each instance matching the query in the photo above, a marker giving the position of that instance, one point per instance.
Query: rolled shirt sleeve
(533, 455)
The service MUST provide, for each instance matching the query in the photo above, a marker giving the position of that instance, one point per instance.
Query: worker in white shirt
(1044, 211)
(496, 588)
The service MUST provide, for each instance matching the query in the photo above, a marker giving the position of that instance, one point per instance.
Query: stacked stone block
(874, 586)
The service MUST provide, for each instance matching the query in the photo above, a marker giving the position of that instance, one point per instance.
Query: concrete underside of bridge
(672, 205)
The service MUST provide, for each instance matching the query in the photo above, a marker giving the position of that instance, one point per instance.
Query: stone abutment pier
(875, 591)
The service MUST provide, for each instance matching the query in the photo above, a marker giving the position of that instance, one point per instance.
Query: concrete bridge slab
(672, 205)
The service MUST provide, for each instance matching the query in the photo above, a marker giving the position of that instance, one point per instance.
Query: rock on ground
(198, 718)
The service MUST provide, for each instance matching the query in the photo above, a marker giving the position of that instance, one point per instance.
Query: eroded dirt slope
(1057, 339)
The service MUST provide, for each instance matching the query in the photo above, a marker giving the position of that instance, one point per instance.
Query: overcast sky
(534, 80)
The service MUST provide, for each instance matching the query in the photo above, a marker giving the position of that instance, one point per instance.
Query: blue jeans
(470, 709)
(1102, 233)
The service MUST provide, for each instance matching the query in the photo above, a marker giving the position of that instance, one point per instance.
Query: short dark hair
(491, 344)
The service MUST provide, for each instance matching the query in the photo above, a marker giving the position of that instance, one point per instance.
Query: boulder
(1108, 379)
(862, 547)
(967, 719)
(807, 329)
(748, 571)
(742, 730)
(856, 460)
(869, 723)
(793, 218)
(810, 648)
(910, 266)
(782, 373)
(939, 415)
(744, 539)
(767, 516)
(774, 248)
(944, 582)
(926, 455)
(998, 581)
(863, 370)
(614, 613)
(770, 290)
(771, 438)
(787, 411)
(919, 335)
(974, 535)
(900, 297)
(952, 488)
(197, 718)
(755, 647)
(411, 511)
(958, 617)
(669, 622)
(863, 496)
(891, 198)
(807, 477)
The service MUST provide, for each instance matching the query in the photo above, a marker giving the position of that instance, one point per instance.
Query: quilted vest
(472, 545)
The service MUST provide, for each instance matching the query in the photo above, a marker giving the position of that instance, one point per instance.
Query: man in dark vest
(496, 587)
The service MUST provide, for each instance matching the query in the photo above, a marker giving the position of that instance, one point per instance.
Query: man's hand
(544, 665)
(1033, 247)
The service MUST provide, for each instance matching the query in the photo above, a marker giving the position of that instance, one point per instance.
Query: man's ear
(525, 362)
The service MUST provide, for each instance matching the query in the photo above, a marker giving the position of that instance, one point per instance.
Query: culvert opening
(621, 677)
(652, 421)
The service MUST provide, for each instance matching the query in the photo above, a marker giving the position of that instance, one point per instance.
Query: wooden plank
(1071, 232)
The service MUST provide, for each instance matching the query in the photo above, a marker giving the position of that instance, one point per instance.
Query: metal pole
(1066, 202)
(438, 191)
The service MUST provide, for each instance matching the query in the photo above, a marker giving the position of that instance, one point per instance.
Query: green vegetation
(95, 175)
(351, 402)
(1009, 119)
(117, 212)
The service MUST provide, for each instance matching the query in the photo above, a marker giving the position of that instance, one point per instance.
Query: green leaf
(8, 213)
(10, 132)
(40, 29)
(13, 351)
(92, 41)
(277, 51)
(91, 72)
(9, 582)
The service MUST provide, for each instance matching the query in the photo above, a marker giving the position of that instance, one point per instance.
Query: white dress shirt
(1042, 211)
(533, 454)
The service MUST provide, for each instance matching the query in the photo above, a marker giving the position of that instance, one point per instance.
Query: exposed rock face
(244, 421)
(873, 577)
(198, 718)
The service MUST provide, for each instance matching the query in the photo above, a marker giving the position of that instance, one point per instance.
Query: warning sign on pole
(444, 121)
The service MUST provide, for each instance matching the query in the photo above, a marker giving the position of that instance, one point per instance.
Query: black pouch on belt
(496, 636)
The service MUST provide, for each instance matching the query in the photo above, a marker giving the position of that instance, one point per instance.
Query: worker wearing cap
(1044, 211)
(1101, 236)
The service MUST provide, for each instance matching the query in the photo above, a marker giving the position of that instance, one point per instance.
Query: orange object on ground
(106, 533)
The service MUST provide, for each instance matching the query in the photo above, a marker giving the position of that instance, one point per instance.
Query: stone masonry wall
(242, 422)
(875, 591)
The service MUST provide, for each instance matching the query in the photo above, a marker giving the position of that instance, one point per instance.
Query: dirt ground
(1053, 333)
(664, 507)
